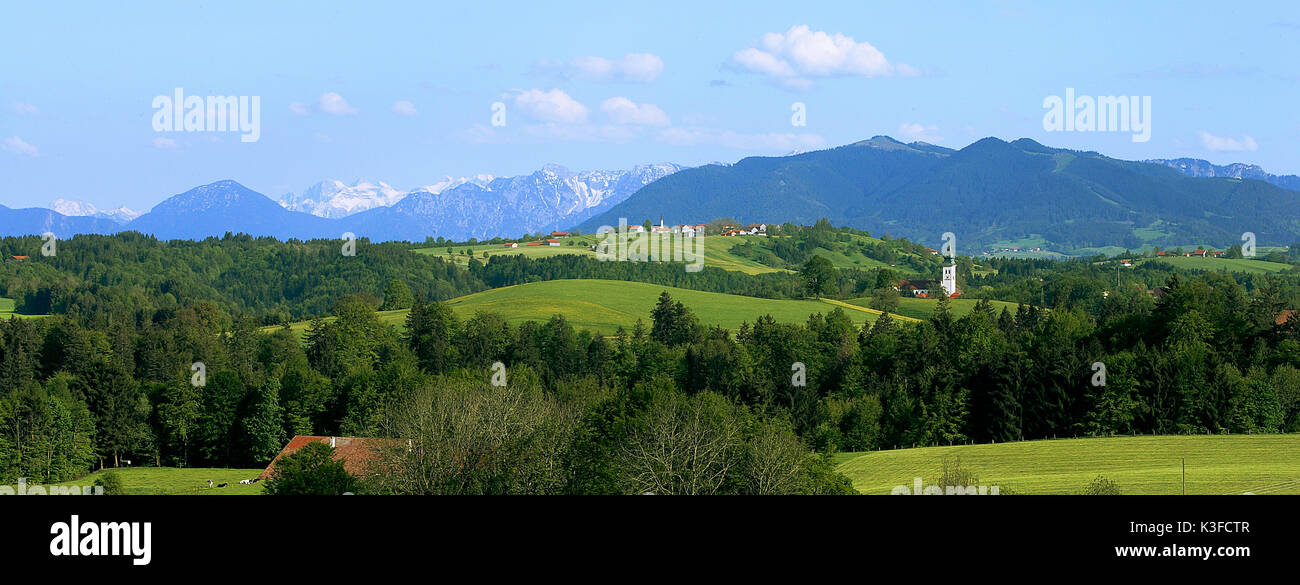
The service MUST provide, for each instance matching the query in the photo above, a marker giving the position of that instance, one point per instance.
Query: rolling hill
(603, 306)
(717, 252)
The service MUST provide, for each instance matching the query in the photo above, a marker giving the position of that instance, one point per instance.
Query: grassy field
(716, 252)
(580, 247)
(7, 310)
(604, 305)
(924, 308)
(173, 481)
(1216, 464)
(1221, 264)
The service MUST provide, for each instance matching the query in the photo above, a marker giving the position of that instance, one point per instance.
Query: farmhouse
(358, 454)
(512, 244)
(917, 288)
(559, 234)
(552, 242)
(533, 244)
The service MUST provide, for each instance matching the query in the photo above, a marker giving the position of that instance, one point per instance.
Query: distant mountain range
(336, 199)
(84, 209)
(988, 192)
(552, 198)
(1195, 167)
(456, 209)
(38, 220)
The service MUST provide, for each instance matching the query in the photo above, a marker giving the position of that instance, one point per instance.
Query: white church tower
(950, 279)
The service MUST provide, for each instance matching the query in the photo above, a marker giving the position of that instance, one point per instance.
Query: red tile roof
(357, 453)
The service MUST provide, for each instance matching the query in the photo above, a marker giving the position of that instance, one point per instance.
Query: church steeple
(949, 282)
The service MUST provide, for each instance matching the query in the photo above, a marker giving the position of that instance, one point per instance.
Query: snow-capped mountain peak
(333, 198)
(448, 182)
(78, 208)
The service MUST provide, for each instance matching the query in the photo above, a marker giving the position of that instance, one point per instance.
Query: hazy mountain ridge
(990, 191)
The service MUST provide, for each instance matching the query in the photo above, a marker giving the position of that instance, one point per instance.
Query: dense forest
(669, 406)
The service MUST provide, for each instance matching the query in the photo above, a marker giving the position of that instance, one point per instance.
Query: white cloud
(298, 108)
(915, 131)
(1218, 143)
(549, 106)
(758, 61)
(333, 103)
(165, 143)
(636, 67)
(404, 108)
(17, 146)
(792, 57)
(624, 111)
(771, 142)
(25, 109)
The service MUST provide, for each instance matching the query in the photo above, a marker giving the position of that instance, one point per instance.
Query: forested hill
(93, 277)
(987, 192)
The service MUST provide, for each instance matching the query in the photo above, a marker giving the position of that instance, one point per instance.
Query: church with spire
(949, 282)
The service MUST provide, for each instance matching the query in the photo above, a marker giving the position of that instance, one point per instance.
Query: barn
(358, 454)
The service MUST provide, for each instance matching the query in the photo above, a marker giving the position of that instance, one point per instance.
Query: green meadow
(717, 252)
(924, 308)
(1247, 265)
(178, 480)
(1215, 464)
(7, 310)
(605, 305)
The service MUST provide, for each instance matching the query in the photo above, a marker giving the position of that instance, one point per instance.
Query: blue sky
(605, 85)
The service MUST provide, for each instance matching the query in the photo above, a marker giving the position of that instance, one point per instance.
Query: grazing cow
(245, 481)
(209, 484)
(221, 485)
